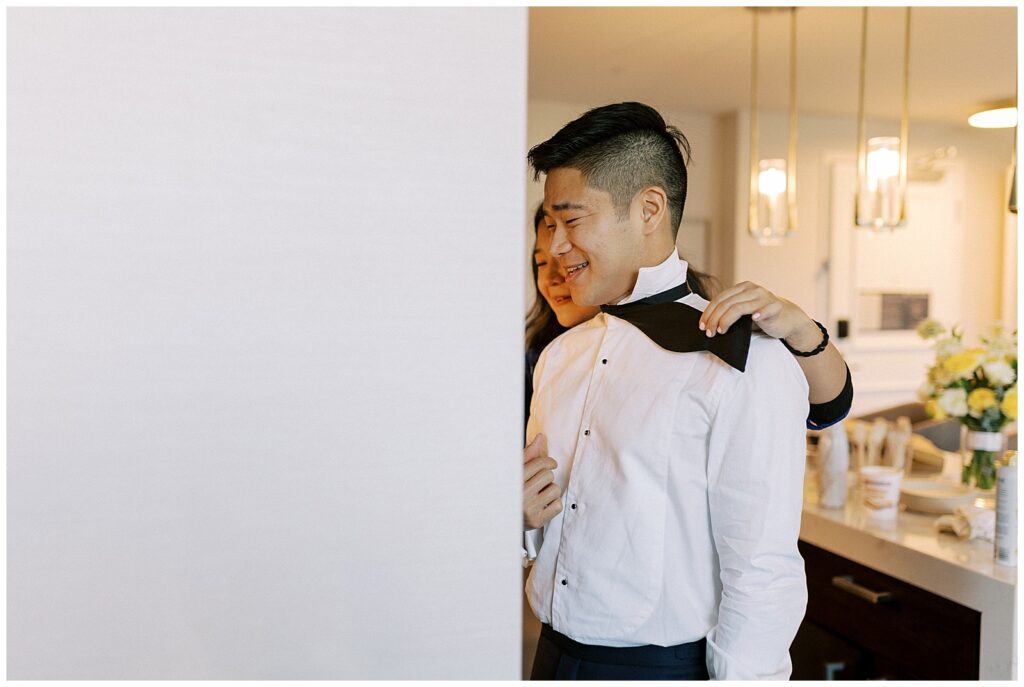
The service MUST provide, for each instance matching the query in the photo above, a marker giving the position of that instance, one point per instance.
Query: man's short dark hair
(621, 149)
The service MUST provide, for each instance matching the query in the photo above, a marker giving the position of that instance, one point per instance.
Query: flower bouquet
(978, 387)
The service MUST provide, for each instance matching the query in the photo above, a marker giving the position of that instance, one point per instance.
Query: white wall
(264, 343)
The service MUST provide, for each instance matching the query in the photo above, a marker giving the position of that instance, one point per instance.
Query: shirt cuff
(723, 666)
(532, 540)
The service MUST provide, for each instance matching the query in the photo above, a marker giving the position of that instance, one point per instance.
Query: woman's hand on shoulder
(774, 315)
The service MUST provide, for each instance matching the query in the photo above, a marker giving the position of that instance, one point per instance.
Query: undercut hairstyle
(621, 149)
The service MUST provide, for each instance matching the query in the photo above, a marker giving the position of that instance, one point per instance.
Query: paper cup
(880, 490)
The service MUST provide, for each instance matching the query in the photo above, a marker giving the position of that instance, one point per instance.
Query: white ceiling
(697, 59)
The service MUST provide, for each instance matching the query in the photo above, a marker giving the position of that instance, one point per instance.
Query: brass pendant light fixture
(881, 194)
(772, 205)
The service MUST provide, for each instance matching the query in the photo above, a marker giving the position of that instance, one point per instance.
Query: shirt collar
(651, 280)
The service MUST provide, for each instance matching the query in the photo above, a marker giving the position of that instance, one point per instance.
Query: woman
(828, 378)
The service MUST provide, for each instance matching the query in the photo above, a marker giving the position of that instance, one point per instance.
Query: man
(662, 529)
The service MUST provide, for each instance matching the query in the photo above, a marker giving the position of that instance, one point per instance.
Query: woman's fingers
(735, 312)
(780, 319)
(552, 509)
(717, 302)
(738, 293)
(538, 482)
(549, 496)
(729, 311)
(775, 316)
(539, 507)
(768, 312)
(538, 465)
(746, 298)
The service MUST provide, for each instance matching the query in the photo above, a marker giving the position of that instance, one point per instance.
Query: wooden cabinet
(863, 624)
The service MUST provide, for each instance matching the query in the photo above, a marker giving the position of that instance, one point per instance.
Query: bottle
(833, 463)
(1006, 511)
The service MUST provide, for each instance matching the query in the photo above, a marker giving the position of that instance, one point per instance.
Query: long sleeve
(532, 539)
(756, 458)
(826, 414)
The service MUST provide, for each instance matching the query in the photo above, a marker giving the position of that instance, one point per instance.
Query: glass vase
(981, 452)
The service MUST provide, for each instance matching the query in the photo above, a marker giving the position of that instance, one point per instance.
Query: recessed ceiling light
(998, 118)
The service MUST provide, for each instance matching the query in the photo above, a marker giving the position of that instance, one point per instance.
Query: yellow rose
(1009, 404)
(934, 410)
(980, 400)
(962, 365)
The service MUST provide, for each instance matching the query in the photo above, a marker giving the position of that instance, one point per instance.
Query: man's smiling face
(600, 252)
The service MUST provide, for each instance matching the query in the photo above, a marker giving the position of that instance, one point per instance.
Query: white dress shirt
(682, 484)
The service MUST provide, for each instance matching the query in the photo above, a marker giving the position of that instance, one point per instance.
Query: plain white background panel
(265, 342)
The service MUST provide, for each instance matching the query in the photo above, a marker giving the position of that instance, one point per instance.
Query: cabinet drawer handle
(846, 583)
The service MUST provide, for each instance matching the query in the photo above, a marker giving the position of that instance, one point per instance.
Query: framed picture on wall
(888, 311)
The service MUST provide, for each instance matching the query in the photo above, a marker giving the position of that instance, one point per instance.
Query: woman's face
(551, 284)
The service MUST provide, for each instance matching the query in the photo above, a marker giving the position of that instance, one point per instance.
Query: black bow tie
(674, 327)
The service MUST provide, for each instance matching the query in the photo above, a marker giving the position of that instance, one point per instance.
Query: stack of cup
(880, 489)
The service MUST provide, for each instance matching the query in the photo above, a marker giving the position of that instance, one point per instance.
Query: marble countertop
(910, 549)
(914, 531)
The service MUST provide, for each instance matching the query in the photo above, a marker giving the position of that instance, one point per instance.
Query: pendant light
(1012, 204)
(881, 193)
(772, 206)
(1001, 115)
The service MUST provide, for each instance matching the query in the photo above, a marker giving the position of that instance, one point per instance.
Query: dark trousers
(561, 658)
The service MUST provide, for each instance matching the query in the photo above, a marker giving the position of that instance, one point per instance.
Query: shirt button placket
(560, 576)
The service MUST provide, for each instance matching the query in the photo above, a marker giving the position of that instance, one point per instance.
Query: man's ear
(653, 208)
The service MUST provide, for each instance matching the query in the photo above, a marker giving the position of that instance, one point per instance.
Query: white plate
(934, 496)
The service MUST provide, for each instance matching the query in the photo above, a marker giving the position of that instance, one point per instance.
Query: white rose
(998, 371)
(1001, 342)
(947, 347)
(954, 402)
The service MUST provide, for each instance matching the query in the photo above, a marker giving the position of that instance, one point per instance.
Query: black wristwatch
(821, 347)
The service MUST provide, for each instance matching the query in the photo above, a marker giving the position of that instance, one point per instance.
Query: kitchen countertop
(910, 549)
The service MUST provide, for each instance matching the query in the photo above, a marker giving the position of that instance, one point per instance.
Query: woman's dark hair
(541, 324)
(700, 283)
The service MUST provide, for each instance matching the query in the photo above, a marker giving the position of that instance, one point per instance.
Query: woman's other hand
(774, 315)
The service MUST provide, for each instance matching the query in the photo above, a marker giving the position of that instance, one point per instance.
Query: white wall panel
(265, 342)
